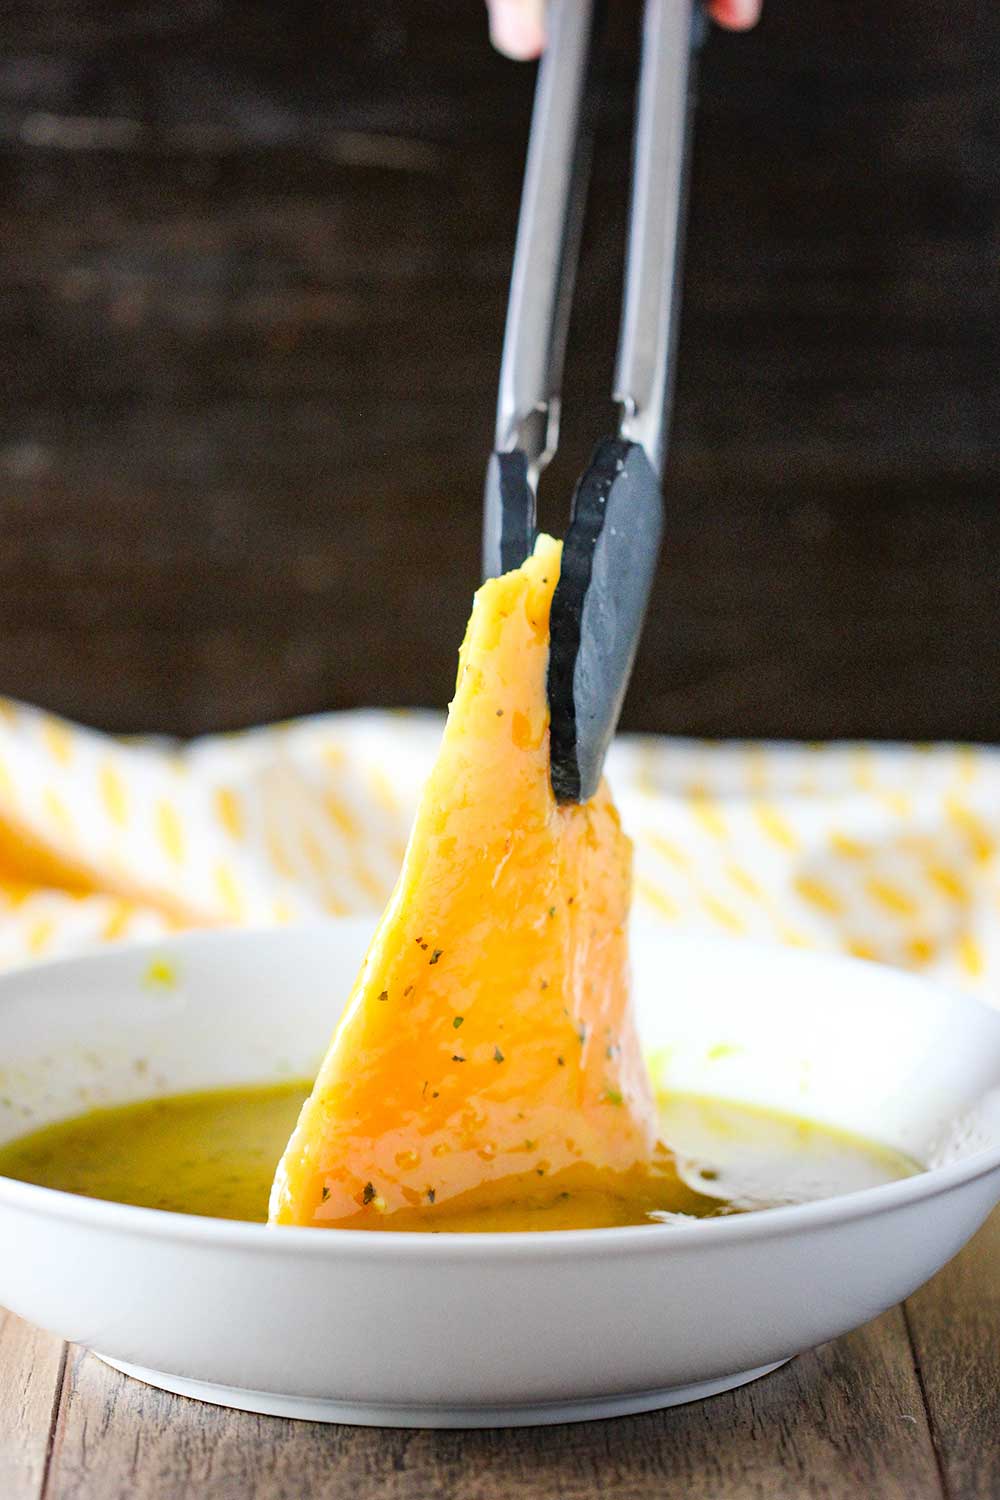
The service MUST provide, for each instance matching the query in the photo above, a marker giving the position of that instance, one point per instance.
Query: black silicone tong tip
(608, 563)
(508, 514)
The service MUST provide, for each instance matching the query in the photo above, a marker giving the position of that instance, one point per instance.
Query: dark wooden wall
(252, 284)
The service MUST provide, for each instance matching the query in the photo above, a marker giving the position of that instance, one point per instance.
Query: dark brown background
(253, 277)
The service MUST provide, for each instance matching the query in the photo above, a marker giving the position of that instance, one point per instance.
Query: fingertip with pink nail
(517, 27)
(735, 15)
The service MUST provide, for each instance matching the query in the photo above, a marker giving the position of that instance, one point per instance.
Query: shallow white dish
(484, 1330)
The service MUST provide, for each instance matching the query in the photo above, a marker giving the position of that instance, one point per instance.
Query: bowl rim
(462, 1245)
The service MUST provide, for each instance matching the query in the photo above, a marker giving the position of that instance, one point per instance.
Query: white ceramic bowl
(483, 1330)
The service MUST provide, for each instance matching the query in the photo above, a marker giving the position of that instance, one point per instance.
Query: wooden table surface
(908, 1407)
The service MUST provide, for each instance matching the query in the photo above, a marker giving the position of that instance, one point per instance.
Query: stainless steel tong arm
(644, 372)
(612, 542)
(550, 222)
(545, 255)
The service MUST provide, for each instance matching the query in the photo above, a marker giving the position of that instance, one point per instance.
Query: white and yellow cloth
(887, 852)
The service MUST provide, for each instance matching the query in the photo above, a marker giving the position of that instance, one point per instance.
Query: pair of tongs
(611, 547)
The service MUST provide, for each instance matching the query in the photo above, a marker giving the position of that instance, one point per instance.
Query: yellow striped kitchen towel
(888, 852)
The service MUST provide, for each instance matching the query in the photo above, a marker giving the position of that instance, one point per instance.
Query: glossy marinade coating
(487, 1050)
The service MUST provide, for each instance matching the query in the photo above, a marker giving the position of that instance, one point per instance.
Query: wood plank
(31, 1369)
(250, 320)
(841, 1423)
(955, 1326)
